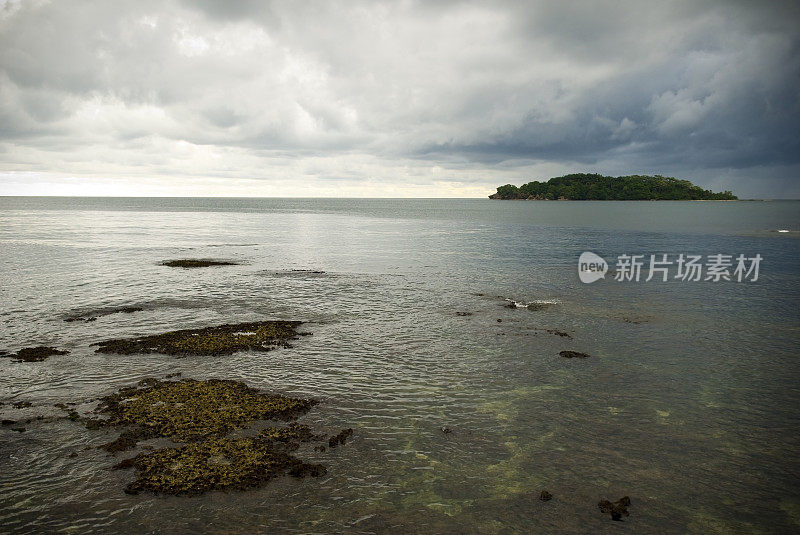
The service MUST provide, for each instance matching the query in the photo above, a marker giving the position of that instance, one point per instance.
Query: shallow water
(688, 404)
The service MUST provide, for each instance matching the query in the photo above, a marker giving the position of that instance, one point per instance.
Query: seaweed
(197, 263)
(218, 340)
(202, 416)
(34, 354)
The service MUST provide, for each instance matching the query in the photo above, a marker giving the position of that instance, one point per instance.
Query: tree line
(595, 187)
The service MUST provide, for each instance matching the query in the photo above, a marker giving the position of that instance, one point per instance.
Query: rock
(217, 340)
(616, 509)
(341, 438)
(201, 415)
(573, 355)
(35, 354)
(196, 263)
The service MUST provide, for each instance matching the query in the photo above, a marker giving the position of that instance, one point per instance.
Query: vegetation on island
(594, 187)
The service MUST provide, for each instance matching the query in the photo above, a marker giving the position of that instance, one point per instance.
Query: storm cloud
(394, 98)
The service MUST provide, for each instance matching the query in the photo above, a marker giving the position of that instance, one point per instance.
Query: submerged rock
(34, 354)
(202, 415)
(617, 509)
(219, 340)
(341, 438)
(573, 355)
(556, 332)
(197, 263)
(92, 315)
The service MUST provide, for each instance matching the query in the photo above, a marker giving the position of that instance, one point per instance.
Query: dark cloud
(402, 93)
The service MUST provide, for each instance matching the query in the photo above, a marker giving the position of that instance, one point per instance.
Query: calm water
(689, 403)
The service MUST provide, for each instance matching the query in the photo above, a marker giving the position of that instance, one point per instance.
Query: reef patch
(206, 420)
(218, 340)
(34, 354)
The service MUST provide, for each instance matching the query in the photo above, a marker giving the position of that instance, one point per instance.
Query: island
(595, 187)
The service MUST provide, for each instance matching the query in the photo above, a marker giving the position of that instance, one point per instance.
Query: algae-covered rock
(202, 415)
(34, 354)
(214, 464)
(218, 340)
(191, 410)
(196, 263)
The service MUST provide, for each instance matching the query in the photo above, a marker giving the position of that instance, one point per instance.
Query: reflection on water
(688, 403)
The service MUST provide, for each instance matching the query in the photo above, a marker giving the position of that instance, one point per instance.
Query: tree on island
(594, 187)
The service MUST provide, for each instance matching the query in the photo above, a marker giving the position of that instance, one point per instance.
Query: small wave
(536, 304)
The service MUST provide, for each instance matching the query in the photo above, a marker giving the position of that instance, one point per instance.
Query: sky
(394, 99)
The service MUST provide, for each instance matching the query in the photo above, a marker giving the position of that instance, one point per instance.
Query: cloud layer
(394, 98)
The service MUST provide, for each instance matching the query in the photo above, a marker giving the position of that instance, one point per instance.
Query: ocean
(437, 327)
